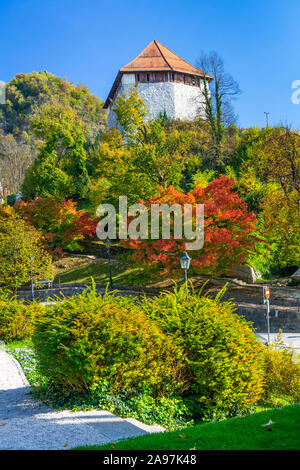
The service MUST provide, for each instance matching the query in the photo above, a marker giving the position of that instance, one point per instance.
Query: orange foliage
(228, 230)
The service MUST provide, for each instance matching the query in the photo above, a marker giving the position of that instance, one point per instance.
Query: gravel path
(27, 424)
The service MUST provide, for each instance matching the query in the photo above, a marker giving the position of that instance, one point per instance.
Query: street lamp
(32, 258)
(185, 262)
(107, 243)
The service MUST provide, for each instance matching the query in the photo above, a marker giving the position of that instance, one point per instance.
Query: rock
(245, 273)
(296, 275)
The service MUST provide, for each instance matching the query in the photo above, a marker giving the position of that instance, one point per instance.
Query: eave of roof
(158, 58)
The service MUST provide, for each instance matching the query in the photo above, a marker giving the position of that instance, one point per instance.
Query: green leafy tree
(60, 168)
(19, 242)
(148, 153)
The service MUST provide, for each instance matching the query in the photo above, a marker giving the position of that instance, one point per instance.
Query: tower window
(173, 77)
(148, 77)
(138, 77)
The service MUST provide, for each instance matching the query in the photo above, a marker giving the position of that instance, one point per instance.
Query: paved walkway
(27, 424)
(291, 340)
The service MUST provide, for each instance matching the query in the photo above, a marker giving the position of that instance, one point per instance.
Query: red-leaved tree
(62, 225)
(229, 231)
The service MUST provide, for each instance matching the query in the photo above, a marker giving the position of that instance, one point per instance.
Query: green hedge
(89, 339)
(223, 359)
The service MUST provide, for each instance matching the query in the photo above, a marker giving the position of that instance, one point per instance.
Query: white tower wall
(180, 101)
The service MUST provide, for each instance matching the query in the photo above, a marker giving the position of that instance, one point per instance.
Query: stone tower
(166, 83)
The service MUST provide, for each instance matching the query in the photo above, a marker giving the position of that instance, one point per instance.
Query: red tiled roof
(155, 57)
(158, 57)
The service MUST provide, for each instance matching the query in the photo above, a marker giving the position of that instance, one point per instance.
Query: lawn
(247, 433)
(81, 269)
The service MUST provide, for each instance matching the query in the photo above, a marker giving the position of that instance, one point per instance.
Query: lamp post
(185, 262)
(107, 243)
(32, 258)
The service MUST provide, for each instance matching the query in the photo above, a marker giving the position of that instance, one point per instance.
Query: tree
(228, 231)
(19, 242)
(275, 155)
(146, 155)
(268, 175)
(60, 167)
(218, 101)
(281, 227)
(61, 223)
(224, 89)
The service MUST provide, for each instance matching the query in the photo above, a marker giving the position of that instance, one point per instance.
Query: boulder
(245, 273)
(296, 275)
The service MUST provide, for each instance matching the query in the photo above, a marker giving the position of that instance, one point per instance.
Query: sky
(87, 41)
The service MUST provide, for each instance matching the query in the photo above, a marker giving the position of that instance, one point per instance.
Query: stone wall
(178, 100)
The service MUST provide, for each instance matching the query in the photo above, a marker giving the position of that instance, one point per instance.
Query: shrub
(223, 359)
(17, 320)
(281, 376)
(89, 339)
(21, 251)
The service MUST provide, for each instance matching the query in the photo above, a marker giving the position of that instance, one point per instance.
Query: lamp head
(185, 261)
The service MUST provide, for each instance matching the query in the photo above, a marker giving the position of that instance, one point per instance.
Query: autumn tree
(21, 251)
(61, 223)
(228, 231)
(276, 158)
(281, 227)
(145, 155)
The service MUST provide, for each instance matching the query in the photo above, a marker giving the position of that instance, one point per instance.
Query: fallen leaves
(268, 424)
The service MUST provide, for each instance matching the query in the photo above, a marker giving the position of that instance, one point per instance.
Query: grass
(247, 433)
(81, 269)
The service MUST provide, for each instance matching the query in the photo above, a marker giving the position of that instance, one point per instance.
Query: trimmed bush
(17, 320)
(89, 339)
(223, 359)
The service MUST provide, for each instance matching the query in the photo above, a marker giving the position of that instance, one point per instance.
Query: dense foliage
(196, 349)
(61, 223)
(228, 230)
(281, 375)
(22, 252)
(60, 167)
(58, 130)
(224, 360)
(26, 95)
(89, 339)
(27, 92)
(17, 320)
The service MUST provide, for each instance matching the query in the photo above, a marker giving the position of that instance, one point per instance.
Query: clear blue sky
(87, 41)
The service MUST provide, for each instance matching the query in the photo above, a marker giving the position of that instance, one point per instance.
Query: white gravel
(29, 425)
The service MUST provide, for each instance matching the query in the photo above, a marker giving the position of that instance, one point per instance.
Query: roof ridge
(157, 45)
(174, 53)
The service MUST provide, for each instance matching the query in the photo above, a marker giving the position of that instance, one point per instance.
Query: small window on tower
(138, 77)
(173, 77)
(148, 77)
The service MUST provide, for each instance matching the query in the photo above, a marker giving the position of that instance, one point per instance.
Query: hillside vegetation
(26, 95)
